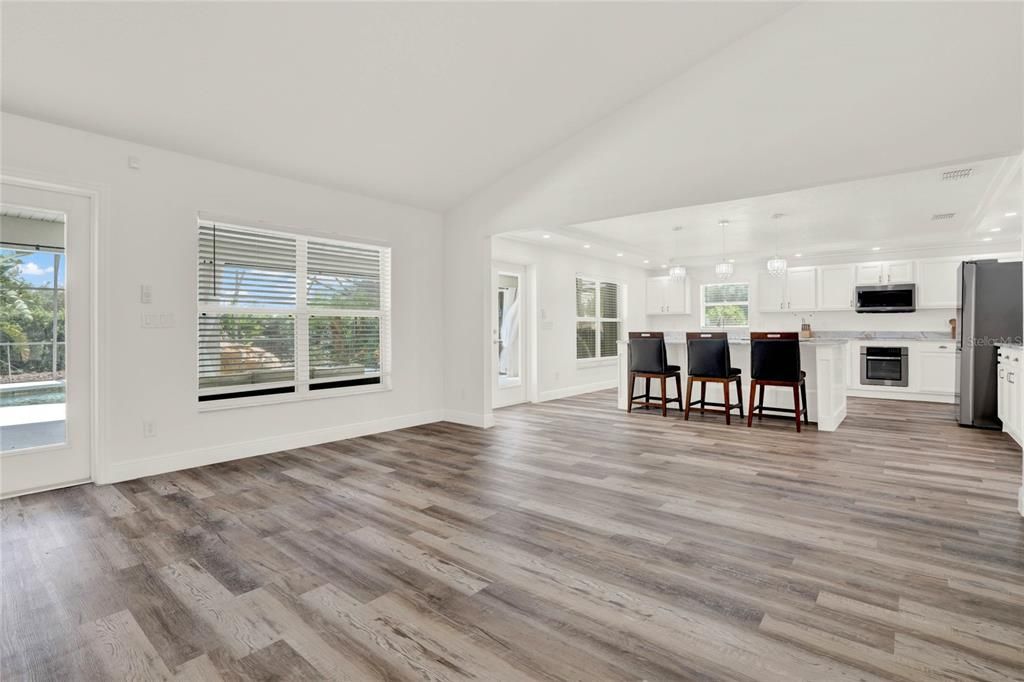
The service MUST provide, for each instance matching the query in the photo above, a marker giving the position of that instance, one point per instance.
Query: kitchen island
(826, 362)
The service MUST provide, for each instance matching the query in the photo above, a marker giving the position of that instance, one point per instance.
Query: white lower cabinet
(936, 367)
(1008, 394)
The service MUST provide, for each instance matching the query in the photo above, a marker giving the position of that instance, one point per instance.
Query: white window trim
(704, 307)
(301, 313)
(621, 319)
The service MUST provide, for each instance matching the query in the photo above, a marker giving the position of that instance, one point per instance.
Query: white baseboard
(900, 395)
(1020, 500)
(162, 464)
(570, 391)
(477, 419)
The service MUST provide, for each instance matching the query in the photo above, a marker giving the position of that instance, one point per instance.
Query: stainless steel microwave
(887, 298)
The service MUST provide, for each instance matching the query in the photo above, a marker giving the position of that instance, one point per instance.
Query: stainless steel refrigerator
(988, 313)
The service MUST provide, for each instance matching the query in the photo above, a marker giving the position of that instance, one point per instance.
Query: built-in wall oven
(884, 366)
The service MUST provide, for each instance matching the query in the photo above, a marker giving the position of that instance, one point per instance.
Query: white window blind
(598, 318)
(261, 334)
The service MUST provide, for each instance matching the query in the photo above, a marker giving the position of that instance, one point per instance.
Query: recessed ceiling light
(547, 236)
(798, 255)
(646, 261)
(1010, 214)
(876, 248)
(996, 229)
(619, 255)
(732, 260)
(987, 239)
(586, 246)
(664, 265)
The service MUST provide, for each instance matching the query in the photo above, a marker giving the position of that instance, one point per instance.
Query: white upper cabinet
(936, 283)
(771, 293)
(892, 272)
(801, 289)
(668, 296)
(835, 287)
(899, 272)
(797, 290)
(870, 273)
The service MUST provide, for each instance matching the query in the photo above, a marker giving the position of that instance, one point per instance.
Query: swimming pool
(32, 395)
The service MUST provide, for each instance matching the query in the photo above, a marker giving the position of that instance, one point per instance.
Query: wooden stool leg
(679, 391)
(632, 383)
(796, 403)
(725, 401)
(750, 410)
(803, 395)
(739, 395)
(760, 402)
(689, 397)
(664, 400)
(703, 394)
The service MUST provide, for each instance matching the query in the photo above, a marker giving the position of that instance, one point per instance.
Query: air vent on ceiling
(943, 216)
(957, 174)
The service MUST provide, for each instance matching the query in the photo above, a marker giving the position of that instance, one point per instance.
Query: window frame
(704, 305)
(301, 313)
(597, 319)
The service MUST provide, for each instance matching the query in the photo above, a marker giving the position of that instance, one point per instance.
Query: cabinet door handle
(943, 347)
(1001, 370)
(1009, 377)
(789, 304)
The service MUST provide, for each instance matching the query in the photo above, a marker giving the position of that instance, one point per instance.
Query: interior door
(509, 305)
(45, 366)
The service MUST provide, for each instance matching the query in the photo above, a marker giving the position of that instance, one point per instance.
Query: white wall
(148, 235)
(793, 104)
(933, 320)
(559, 374)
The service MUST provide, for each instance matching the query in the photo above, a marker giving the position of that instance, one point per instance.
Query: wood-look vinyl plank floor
(572, 541)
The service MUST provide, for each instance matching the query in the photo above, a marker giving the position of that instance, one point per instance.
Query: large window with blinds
(283, 313)
(598, 318)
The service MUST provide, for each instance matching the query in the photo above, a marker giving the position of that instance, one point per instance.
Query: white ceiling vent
(943, 216)
(957, 174)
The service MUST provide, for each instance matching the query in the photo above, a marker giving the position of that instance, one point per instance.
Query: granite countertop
(835, 337)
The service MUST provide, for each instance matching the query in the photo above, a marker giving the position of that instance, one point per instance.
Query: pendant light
(777, 265)
(724, 269)
(677, 272)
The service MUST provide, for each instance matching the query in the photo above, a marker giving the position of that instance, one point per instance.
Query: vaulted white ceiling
(418, 102)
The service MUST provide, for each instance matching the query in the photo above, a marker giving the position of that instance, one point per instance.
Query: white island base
(826, 362)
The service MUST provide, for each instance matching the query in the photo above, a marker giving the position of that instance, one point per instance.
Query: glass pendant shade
(723, 270)
(777, 267)
(677, 272)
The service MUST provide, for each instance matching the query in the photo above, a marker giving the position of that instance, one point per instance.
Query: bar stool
(708, 361)
(775, 361)
(649, 360)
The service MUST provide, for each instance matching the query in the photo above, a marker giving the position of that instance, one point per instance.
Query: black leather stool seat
(708, 362)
